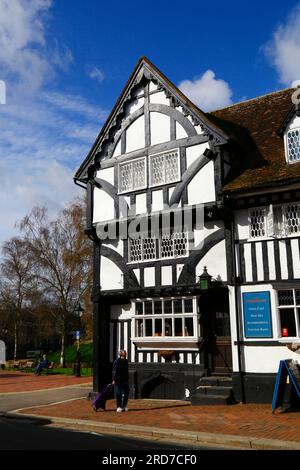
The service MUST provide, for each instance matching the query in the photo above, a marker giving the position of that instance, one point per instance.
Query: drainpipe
(237, 312)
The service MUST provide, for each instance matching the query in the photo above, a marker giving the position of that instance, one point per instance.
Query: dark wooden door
(214, 307)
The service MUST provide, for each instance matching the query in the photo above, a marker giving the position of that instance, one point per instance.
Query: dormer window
(293, 145)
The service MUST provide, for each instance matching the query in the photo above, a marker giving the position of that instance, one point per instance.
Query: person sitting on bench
(43, 364)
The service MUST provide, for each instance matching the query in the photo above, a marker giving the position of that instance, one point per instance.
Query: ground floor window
(169, 317)
(289, 312)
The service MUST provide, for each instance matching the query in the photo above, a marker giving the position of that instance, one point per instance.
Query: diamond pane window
(174, 246)
(293, 145)
(285, 297)
(141, 249)
(164, 168)
(292, 218)
(257, 218)
(132, 175)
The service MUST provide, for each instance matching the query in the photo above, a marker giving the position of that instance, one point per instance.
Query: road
(27, 433)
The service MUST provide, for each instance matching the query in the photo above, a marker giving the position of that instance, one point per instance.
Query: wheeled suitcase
(100, 400)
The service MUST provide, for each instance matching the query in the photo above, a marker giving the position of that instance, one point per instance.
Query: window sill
(165, 342)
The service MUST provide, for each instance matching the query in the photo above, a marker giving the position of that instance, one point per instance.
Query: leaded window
(293, 145)
(165, 317)
(275, 221)
(169, 246)
(289, 312)
(132, 175)
(164, 167)
(257, 219)
(141, 249)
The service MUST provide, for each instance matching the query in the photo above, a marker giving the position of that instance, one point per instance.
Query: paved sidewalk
(235, 426)
(17, 381)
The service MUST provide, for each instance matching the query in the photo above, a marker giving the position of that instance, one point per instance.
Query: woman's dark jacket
(120, 371)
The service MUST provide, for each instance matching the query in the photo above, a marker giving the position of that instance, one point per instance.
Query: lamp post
(79, 311)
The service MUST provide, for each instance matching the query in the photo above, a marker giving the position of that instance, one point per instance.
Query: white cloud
(284, 49)
(44, 135)
(96, 74)
(22, 37)
(207, 92)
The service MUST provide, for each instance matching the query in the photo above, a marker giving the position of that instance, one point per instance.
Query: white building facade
(168, 197)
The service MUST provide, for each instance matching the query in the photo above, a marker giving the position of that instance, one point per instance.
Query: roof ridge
(252, 99)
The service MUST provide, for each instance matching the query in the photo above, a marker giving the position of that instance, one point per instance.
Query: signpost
(257, 315)
(288, 369)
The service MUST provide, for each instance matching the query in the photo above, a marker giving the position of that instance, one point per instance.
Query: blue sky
(64, 63)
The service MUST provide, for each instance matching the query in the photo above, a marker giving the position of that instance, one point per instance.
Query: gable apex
(143, 72)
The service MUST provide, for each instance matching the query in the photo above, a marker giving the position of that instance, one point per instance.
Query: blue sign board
(257, 315)
(77, 334)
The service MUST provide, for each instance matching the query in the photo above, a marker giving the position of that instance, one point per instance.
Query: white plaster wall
(295, 123)
(104, 208)
(241, 224)
(207, 229)
(159, 128)
(171, 192)
(259, 261)
(283, 260)
(166, 275)
(271, 258)
(271, 357)
(296, 257)
(248, 263)
(152, 86)
(106, 174)
(194, 152)
(138, 274)
(124, 206)
(180, 132)
(110, 275)
(199, 130)
(135, 135)
(120, 312)
(157, 200)
(135, 105)
(141, 203)
(149, 277)
(215, 260)
(117, 150)
(202, 187)
(160, 98)
(179, 268)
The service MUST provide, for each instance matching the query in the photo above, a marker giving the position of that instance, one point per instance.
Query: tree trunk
(16, 341)
(62, 351)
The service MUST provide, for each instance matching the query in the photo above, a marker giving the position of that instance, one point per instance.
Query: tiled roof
(253, 126)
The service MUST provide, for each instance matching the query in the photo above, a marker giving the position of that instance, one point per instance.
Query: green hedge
(86, 354)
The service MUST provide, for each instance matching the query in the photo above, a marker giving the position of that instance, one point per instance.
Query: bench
(50, 367)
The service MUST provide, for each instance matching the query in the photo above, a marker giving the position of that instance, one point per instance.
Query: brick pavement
(17, 381)
(250, 420)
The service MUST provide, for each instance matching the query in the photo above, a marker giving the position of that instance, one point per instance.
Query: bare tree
(61, 269)
(16, 283)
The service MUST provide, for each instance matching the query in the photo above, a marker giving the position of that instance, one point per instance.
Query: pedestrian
(120, 379)
(43, 364)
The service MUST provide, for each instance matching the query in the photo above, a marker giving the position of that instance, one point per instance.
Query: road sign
(77, 334)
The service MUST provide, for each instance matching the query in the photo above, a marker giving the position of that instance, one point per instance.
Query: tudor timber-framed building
(158, 150)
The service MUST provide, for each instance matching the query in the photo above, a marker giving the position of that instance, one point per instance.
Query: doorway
(215, 320)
